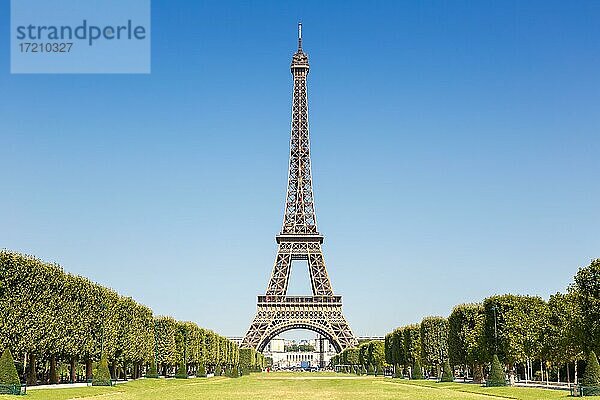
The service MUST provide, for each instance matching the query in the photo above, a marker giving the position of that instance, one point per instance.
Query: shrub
(152, 372)
(181, 370)
(102, 375)
(235, 372)
(370, 370)
(591, 377)
(398, 371)
(447, 373)
(496, 374)
(417, 371)
(218, 370)
(201, 373)
(8, 372)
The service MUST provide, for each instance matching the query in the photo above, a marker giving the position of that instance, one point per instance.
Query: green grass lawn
(284, 385)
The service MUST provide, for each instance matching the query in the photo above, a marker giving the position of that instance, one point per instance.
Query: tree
(496, 377)
(8, 372)
(447, 372)
(375, 352)
(587, 291)
(564, 338)
(412, 343)
(417, 370)
(388, 347)
(465, 335)
(370, 370)
(591, 377)
(434, 341)
(398, 352)
(514, 326)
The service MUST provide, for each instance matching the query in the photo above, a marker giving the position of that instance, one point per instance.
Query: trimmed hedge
(8, 372)
(496, 377)
(181, 370)
(152, 372)
(417, 370)
(102, 375)
(591, 376)
(447, 372)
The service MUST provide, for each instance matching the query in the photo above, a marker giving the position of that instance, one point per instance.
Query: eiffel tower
(299, 240)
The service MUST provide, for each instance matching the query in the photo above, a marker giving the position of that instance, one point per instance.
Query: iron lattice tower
(299, 240)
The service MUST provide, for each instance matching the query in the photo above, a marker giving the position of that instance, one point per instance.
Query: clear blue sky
(455, 155)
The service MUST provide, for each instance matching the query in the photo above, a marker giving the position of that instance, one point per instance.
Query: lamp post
(155, 349)
(102, 334)
(185, 350)
(494, 308)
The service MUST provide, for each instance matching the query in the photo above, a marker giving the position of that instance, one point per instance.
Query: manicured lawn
(326, 386)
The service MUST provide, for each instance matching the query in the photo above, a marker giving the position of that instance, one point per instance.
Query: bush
(8, 372)
(447, 372)
(181, 370)
(235, 373)
(417, 371)
(398, 371)
(591, 377)
(496, 377)
(152, 372)
(218, 370)
(102, 375)
(201, 373)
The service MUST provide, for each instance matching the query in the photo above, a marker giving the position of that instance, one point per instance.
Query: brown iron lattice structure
(299, 240)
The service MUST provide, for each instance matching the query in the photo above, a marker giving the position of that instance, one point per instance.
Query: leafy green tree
(591, 377)
(587, 291)
(398, 353)
(363, 353)
(61, 318)
(370, 370)
(8, 372)
(515, 325)
(352, 356)
(388, 348)
(412, 343)
(496, 377)
(447, 372)
(434, 341)
(398, 371)
(376, 352)
(465, 337)
(564, 337)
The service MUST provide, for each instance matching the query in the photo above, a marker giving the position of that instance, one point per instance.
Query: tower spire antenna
(299, 35)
